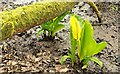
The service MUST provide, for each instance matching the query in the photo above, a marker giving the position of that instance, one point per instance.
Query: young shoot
(52, 27)
(82, 42)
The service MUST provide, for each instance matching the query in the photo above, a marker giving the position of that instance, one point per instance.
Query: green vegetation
(81, 36)
(52, 26)
(114, 7)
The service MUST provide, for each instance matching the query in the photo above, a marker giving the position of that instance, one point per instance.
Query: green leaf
(99, 47)
(57, 28)
(47, 23)
(59, 18)
(63, 59)
(46, 27)
(80, 20)
(89, 46)
(73, 47)
(85, 66)
(72, 40)
(72, 57)
(87, 42)
(86, 60)
(96, 60)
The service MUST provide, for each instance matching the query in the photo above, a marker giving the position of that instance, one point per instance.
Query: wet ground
(26, 52)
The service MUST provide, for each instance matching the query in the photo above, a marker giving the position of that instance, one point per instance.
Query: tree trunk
(26, 17)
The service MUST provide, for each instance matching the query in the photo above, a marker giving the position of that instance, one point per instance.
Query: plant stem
(79, 48)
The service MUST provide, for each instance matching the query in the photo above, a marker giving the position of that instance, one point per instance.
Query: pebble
(5, 61)
(51, 71)
(64, 70)
(14, 63)
(38, 59)
(2, 65)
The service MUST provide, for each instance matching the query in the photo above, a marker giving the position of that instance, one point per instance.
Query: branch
(26, 17)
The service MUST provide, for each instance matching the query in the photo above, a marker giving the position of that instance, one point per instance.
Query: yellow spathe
(76, 29)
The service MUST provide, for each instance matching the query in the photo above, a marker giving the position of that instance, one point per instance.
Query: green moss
(7, 30)
(25, 17)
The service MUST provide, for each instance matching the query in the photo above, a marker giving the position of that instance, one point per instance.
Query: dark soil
(26, 52)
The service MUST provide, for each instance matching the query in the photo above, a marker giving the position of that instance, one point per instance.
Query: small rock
(38, 59)
(5, 61)
(1, 65)
(51, 71)
(2, 69)
(48, 61)
(45, 62)
(14, 63)
(33, 36)
(23, 64)
(39, 54)
(56, 59)
(64, 70)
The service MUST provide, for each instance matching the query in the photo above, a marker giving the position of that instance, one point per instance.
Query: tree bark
(26, 17)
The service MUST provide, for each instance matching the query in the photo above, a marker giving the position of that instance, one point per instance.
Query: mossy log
(23, 18)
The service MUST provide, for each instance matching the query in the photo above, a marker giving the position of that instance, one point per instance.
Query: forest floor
(26, 52)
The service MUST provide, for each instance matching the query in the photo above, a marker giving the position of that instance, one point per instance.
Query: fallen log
(26, 17)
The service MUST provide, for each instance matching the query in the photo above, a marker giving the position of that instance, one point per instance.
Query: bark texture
(26, 17)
